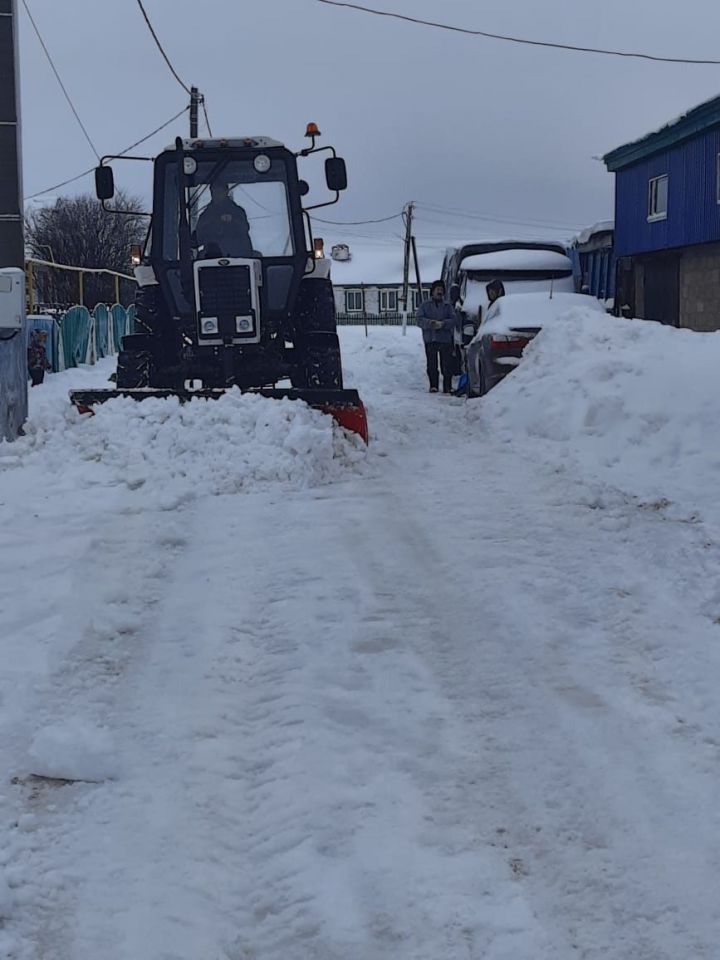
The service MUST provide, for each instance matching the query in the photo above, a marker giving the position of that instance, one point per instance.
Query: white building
(368, 285)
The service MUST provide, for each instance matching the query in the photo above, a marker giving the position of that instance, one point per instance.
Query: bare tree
(77, 231)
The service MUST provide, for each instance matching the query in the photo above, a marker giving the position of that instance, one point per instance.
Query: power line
(57, 77)
(522, 40)
(355, 223)
(160, 48)
(122, 153)
(472, 215)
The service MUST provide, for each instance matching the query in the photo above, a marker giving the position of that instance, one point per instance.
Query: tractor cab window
(233, 210)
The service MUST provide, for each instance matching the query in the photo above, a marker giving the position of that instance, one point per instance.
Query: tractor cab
(230, 243)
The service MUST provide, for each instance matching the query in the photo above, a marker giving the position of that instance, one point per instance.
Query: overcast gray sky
(449, 120)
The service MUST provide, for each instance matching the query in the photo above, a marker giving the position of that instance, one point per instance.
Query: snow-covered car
(522, 269)
(507, 328)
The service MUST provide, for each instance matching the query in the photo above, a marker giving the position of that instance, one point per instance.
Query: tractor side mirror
(104, 183)
(335, 173)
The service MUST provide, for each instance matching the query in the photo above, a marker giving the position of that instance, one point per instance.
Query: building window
(417, 299)
(717, 179)
(388, 301)
(658, 198)
(353, 301)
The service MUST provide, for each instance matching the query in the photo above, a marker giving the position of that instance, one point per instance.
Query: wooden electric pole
(408, 218)
(418, 282)
(194, 104)
(13, 350)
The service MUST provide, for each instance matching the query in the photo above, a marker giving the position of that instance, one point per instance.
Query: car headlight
(210, 325)
(262, 163)
(243, 324)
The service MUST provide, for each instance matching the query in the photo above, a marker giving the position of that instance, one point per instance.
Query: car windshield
(233, 210)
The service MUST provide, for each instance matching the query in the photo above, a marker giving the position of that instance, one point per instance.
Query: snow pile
(206, 447)
(633, 403)
(73, 751)
(537, 310)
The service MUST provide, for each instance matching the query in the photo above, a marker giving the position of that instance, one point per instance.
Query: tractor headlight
(243, 324)
(210, 325)
(262, 163)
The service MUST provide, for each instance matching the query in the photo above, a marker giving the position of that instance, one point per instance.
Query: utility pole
(194, 104)
(408, 218)
(418, 283)
(13, 355)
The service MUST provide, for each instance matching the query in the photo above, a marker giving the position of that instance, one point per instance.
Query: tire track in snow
(559, 759)
(100, 632)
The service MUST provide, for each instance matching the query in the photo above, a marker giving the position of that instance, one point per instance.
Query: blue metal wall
(693, 211)
(598, 271)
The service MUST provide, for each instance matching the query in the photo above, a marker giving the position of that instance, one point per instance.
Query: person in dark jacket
(223, 227)
(437, 320)
(38, 362)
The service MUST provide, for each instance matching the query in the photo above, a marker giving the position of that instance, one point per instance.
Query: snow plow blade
(344, 406)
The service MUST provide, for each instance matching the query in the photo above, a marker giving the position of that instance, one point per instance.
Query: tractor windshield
(233, 210)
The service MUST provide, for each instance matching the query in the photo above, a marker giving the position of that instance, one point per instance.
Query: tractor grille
(225, 291)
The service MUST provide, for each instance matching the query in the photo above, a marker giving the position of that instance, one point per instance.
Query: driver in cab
(222, 229)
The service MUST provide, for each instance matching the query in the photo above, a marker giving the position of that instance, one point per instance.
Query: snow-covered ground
(267, 695)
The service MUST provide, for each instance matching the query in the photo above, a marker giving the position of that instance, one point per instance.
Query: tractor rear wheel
(315, 307)
(136, 362)
(146, 308)
(323, 366)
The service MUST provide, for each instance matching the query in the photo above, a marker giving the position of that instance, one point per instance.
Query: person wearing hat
(38, 362)
(437, 320)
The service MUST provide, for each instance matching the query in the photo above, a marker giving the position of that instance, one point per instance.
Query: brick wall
(700, 287)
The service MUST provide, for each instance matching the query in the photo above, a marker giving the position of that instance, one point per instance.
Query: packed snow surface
(267, 694)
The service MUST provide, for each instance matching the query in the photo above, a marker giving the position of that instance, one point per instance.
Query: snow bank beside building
(633, 404)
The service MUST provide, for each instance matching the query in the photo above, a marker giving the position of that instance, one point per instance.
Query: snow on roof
(523, 259)
(381, 263)
(695, 120)
(602, 226)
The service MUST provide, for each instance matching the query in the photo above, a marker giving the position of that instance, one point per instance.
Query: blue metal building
(667, 221)
(593, 258)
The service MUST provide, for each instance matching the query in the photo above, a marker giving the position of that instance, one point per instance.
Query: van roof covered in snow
(500, 261)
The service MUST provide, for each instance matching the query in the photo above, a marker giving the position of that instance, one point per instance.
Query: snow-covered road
(455, 698)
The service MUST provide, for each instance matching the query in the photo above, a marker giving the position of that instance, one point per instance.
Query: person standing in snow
(437, 320)
(38, 362)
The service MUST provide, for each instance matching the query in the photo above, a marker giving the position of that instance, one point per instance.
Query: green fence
(77, 336)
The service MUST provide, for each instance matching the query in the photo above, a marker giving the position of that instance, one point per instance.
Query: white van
(523, 266)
